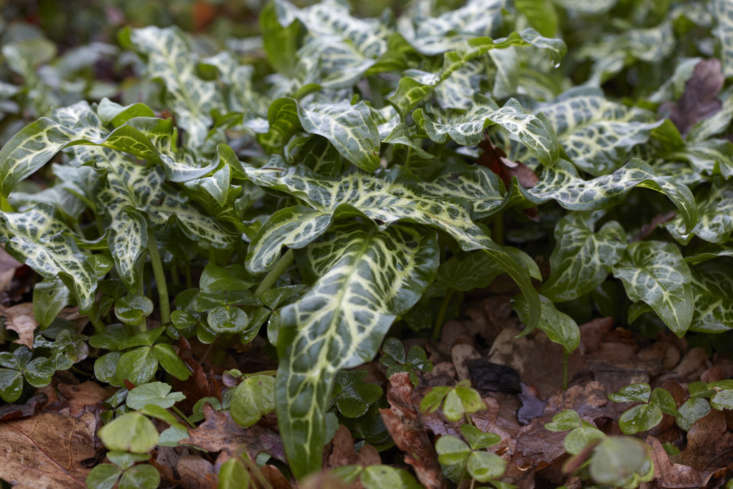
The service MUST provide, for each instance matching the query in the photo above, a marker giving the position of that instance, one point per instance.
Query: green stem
(175, 277)
(187, 274)
(5, 204)
(280, 266)
(498, 228)
(159, 279)
(183, 416)
(441, 315)
(94, 318)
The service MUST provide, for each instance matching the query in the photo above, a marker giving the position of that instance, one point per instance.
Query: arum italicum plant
(332, 187)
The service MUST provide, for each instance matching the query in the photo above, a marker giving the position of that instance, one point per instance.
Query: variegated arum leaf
(433, 35)
(655, 273)
(563, 184)
(716, 216)
(597, 134)
(713, 293)
(170, 59)
(723, 12)
(382, 201)
(48, 246)
(467, 129)
(367, 279)
(352, 129)
(582, 257)
(417, 85)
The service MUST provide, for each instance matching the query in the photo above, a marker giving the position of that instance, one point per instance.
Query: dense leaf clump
(341, 178)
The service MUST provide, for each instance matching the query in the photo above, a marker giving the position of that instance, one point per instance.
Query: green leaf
(432, 400)
(580, 437)
(170, 59)
(722, 400)
(233, 475)
(692, 410)
(11, 384)
(597, 134)
(133, 309)
(49, 297)
(386, 203)
(125, 460)
(140, 477)
(591, 8)
(632, 393)
(367, 278)
(468, 128)
(417, 85)
(353, 394)
(451, 450)
(294, 227)
(155, 393)
(436, 35)
(655, 273)
(103, 476)
(38, 372)
(283, 123)
(564, 421)
(619, 460)
(226, 319)
(47, 246)
(541, 15)
(28, 150)
(477, 187)
(478, 439)
(485, 466)
(663, 399)
(723, 12)
(170, 361)
(562, 184)
(713, 292)
(352, 129)
(715, 223)
(131, 432)
(640, 418)
(582, 258)
(253, 398)
(138, 366)
(387, 477)
(558, 326)
(280, 43)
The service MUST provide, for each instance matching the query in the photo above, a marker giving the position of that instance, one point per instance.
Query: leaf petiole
(280, 266)
(159, 279)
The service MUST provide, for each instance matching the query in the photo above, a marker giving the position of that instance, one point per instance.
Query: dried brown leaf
(8, 265)
(21, 320)
(196, 473)
(219, 432)
(699, 100)
(402, 420)
(47, 450)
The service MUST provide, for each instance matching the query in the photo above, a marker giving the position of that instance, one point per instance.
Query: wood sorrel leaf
(368, 278)
(253, 398)
(131, 432)
(655, 273)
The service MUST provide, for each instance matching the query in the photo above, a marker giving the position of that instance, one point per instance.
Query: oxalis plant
(364, 173)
